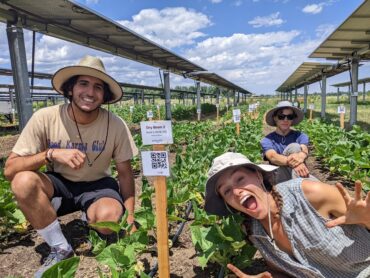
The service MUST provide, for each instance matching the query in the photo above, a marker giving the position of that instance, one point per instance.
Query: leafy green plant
(345, 153)
(10, 215)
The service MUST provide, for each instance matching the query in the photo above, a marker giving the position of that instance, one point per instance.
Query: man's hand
(302, 170)
(295, 159)
(241, 274)
(131, 221)
(70, 157)
(358, 210)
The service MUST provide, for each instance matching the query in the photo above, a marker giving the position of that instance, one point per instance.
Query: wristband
(48, 157)
(51, 155)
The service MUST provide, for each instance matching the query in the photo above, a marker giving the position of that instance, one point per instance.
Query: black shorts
(80, 195)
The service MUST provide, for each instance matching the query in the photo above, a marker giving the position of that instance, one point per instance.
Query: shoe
(56, 255)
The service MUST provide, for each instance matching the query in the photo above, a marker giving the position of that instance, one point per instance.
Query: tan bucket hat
(91, 66)
(214, 204)
(281, 105)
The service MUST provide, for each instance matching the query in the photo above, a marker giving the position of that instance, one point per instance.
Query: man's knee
(292, 148)
(105, 209)
(26, 184)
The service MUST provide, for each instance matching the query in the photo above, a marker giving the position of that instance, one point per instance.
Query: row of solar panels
(73, 22)
(350, 39)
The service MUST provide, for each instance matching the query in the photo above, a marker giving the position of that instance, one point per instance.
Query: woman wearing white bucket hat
(302, 228)
(77, 142)
(286, 147)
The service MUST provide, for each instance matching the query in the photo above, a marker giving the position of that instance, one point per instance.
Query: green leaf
(175, 218)
(66, 268)
(106, 225)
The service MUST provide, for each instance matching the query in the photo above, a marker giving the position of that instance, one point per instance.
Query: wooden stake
(162, 222)
(159, 113)
(237, 128)
(341, 119)
(310, 115)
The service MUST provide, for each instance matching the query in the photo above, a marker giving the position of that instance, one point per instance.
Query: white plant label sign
(156, 132)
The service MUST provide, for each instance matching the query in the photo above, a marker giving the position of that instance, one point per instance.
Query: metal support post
(167, 93)
(338, 94)
(364, 91)
(349, 93)
(142, 97)
(354, 93)
(20, 73)
(198, 101)
(305, 94)
(323, 96)
(295, 95)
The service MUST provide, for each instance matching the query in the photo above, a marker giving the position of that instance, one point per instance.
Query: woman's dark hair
(67, 87)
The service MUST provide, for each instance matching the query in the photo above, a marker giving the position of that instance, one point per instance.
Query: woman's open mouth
(249, 202)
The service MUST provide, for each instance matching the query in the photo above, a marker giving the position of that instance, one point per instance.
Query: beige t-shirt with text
(52, 127)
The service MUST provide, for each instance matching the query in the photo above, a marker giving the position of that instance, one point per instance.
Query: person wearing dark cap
(77, 142)
(302, 227)
(286, 147)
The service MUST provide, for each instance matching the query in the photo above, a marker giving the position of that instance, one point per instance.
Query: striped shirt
(339, 252)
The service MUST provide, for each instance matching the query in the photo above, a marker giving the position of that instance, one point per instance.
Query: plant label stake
(250, 110)
(159, 112)
(236, 119)
(156, 164)
(198, 113)
(341, 112)
(131, 112)
(311, 107)
(149, 115)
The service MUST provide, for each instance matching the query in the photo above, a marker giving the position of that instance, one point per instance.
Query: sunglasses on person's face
(284, 116)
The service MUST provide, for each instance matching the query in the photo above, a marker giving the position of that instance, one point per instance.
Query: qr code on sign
(159, 160)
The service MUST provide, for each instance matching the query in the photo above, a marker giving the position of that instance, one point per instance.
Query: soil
(21, 254)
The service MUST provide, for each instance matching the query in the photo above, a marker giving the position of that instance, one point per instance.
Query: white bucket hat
(282, 105)
(214, 204)
(91, 66)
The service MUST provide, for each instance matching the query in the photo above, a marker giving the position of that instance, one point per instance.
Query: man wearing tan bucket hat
(76, 142)
(286, 147)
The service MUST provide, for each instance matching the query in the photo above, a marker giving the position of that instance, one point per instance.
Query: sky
(255, 44)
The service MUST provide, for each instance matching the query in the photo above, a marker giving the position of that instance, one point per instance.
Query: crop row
(344, 153)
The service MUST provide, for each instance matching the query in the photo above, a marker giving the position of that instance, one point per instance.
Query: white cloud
(216, 1)
(92, 2)
(313, 8)
(258, 62)
(324, 30)
(265, 21)
(170, 27)
(238, 3)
